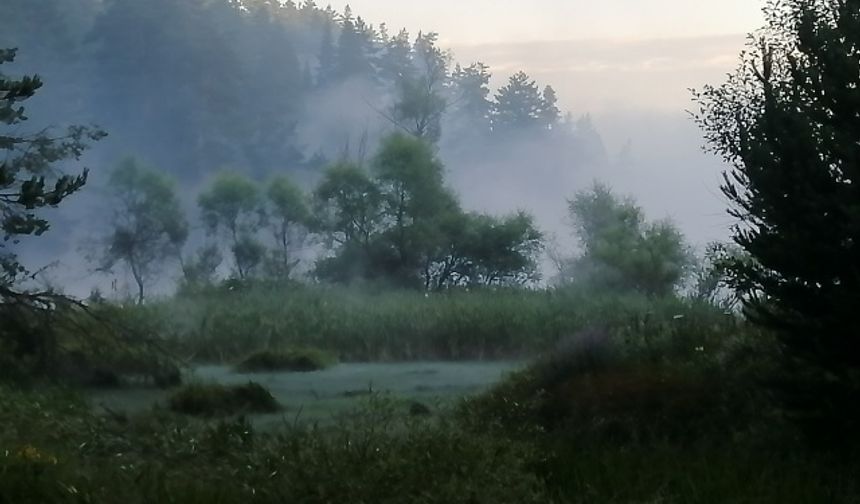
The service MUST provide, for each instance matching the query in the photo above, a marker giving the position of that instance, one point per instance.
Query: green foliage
(29, 179)
(231, 206)
(502, 251)
(787, 123)
(658, 377)
(620, 251)
(147, 226)
(248, 253)
(200, 270)
(374, 323)
(419, 108)
(469, 101)
(291, 359)
(520, 105)
(58, 451)
(208, 400)
(405, 227)
(272, 62)
(353, 46)
(289, 218)
(414, 198)
(54, 449)
(347, 205)
(420, 104)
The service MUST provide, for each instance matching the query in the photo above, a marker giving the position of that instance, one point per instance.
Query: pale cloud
(505, 21)
(599, 75)
(629, 63)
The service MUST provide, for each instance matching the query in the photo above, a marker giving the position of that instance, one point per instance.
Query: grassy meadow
(485, 396)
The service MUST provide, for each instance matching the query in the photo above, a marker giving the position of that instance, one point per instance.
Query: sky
(465, 22)
(629, 64)
(589, 50)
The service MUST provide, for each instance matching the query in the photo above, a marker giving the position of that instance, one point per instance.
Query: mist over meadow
(268, 251)
(196, 88)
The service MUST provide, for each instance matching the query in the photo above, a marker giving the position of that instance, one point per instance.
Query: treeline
(394, 222)
(261, 86)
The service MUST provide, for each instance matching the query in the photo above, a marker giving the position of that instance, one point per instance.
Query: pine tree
(327, 56)
(550, 115)
(352, 48)
(29, 180)
(518, 104)
(470, 91)
(788, 122)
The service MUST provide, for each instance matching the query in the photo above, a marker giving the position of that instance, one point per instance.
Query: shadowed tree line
(396, 222)
(239, 83)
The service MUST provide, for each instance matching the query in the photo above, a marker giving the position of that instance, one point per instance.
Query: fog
(210, 88)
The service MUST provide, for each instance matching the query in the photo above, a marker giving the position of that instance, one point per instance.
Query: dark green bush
(211, 400)
(607, 385)
(293, 360)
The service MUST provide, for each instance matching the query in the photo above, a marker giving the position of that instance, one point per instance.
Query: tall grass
(223, 324)
(54, 450)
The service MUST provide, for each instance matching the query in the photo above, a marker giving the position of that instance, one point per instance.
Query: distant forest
(260, 86)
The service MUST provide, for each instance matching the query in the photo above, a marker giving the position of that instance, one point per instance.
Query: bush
(607, 385)
(293, 360)
(211, 400)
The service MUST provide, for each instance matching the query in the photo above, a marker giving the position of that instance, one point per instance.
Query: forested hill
(195, 86)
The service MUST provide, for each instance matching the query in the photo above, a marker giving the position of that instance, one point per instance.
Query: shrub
(605, 385)
(293, 360)
(209, 400)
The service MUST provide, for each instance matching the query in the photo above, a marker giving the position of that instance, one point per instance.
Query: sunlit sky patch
(464, 22)
(591, 51)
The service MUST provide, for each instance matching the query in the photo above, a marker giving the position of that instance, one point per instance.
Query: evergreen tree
(787, 121)
(550, 115)
(29, 179)
(518, 105)
(396, 61)
(352, 48)
(327, 68)
(469, 103)
(420, 103)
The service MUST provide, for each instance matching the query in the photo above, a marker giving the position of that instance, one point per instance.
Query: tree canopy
(147, 226)
(29, 176)
(620, 251)
(787, 122)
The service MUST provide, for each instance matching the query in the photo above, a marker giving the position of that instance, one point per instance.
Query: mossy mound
(299, 360)
(211, 400)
